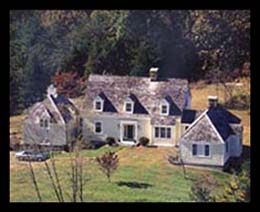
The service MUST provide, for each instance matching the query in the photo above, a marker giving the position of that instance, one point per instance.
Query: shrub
(143, 141)
(108, 163)
(89, 145)
(202, 188)
(111, 141)
(237, 189)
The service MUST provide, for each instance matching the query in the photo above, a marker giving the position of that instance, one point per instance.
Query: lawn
(144, 174)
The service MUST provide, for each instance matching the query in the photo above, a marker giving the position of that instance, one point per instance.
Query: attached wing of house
(211, 140)
(50, 122)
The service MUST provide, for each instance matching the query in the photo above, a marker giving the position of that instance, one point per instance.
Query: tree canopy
(182, 43)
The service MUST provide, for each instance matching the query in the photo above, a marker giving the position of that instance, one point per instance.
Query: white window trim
(164, 103)
(201, 155)
(162, 126)
(101, 104)
(132, 106)
(98, 133)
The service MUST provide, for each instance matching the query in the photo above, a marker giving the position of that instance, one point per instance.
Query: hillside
(144, 174)
(182, 43)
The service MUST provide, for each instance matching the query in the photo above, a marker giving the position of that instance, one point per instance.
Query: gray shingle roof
(145, 93)
(63, 104)
(221, 119)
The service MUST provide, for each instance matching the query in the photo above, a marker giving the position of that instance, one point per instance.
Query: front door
(128, 132)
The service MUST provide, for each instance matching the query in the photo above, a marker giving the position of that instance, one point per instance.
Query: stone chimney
(213, 101)
(153, 73)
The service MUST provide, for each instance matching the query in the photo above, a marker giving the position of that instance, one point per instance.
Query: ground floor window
(98, 127)
(206, 150)
(194, 149)
(201, 150)
(162, 132)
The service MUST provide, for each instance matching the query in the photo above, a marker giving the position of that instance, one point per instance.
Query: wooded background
(182, 43)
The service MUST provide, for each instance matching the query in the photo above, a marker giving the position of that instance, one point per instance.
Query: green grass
(153, 182)
(143, 175)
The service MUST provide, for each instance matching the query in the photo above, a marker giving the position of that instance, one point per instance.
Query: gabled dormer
(129, 104)
(98, 104)
(164, 107)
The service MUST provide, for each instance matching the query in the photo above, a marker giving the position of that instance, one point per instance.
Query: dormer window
(165, 107)
(129, 104)
(98, 104)
(129, 107)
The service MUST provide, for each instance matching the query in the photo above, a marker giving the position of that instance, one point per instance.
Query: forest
(188, 44)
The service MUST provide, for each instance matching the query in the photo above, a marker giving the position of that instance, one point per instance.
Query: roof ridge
(144, 77)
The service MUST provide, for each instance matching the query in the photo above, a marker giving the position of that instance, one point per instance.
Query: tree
(108, 163)
(237, 189)
(69, 84)
(76, 175)
(186, 44)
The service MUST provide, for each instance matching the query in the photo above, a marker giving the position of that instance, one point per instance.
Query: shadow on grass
(134, 184)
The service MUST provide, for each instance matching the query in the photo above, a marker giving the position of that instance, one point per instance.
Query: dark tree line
(182, 43)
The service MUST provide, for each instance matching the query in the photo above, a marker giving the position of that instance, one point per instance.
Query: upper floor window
(98, 104)
(165, 107)
(129, 107)
(44, 123)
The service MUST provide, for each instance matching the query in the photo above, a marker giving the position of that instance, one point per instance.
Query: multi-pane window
(202, 150)
(128, 107)
(206, 150)
(44, 123)
(41, 123)
(169, 132)
(162, 135)
(194, 149)
(164, 109)
(156, 132)
(98, 105)
(98, 127)
(162, 132)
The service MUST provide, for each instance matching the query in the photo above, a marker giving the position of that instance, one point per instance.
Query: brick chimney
(213, 101)
(153, 73)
